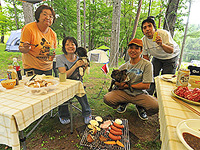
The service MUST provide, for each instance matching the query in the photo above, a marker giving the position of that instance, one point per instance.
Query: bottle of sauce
(17, 68)
(12, 74)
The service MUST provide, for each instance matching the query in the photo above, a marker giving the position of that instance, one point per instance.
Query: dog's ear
(124, 71)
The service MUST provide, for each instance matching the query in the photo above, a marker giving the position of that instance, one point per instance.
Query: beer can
(183, 77)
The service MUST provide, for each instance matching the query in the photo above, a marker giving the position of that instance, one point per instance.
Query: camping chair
(70, 103)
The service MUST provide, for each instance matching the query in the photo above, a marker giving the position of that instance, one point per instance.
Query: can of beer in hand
(183, 77)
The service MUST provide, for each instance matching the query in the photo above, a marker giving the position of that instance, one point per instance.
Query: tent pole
(185, 35)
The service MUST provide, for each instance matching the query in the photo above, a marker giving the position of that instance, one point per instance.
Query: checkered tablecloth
(19, 108)
(170, 114)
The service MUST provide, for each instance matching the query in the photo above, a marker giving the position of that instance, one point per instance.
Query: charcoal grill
(99, 145)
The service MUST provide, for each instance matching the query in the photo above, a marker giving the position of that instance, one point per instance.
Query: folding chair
(70, 103)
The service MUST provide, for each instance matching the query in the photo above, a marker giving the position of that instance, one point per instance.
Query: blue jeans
(63, 110)
(167, 66)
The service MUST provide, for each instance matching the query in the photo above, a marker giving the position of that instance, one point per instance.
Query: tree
(84, 24)
(170, 16)
(78, 23)
(136, 19)
(16, 18)
(28, 12)
(115, 34)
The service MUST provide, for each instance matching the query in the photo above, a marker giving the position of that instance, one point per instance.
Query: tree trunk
(170, 17)
(115, 34)
(136, 19)
(185, 34)
(16, 18)
(28, 12)
(78, 24)
(89, 32)
(126, 58)
(2, 31)
(84, 26)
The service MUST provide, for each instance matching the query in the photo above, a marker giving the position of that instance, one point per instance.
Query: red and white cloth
(105, 69)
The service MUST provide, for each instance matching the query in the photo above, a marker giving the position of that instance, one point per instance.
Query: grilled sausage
(118, 125)
(115, 132)
(113, 137)
(115, 128)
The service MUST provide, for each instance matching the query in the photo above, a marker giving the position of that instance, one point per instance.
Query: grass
(97, 84)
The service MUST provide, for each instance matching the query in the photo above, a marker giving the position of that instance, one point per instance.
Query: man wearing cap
(140, 73)
(163, 48)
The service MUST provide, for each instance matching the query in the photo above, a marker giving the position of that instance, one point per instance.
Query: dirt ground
(61, 138)
(52, 135)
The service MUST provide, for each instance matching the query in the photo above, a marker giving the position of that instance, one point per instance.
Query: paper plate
(169, 78)
(186, 100)
(191, 126)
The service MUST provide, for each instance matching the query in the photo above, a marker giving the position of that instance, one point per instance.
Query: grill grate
(97, 144)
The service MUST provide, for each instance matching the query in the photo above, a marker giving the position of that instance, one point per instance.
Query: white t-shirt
(153, 49)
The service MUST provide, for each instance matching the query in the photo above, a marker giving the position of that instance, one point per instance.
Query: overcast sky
(195, 12)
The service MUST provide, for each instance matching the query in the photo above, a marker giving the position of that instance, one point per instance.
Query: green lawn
(6, 58)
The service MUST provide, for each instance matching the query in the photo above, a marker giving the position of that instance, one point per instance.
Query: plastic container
(12, 74)
(8, 84)
(194, 81)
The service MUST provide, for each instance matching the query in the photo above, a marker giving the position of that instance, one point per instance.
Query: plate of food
(40, 86)
(169, 77)
(191, 96)
(188, 132)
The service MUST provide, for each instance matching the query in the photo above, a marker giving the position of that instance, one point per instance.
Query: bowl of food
(40, 86)
(9, 83)
(194, 81)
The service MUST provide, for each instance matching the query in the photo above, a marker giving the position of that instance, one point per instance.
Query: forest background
(96, 21)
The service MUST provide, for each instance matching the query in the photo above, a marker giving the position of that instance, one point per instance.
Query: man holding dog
(140, 72)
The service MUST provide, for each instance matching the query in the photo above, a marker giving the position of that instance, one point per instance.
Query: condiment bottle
(12, 74)
(17, 68)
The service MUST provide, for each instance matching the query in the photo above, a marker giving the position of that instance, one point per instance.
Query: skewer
(186, 105)
(30, 44)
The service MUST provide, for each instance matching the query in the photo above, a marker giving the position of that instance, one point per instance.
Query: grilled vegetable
(102, 138)
(119, 143)
(110, 142)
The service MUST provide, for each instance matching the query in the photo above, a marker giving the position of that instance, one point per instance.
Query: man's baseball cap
(136, 41)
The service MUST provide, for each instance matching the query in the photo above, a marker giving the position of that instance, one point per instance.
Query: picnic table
(19, 108)
(171, 113)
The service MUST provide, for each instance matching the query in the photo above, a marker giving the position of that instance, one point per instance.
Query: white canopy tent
(98, 56)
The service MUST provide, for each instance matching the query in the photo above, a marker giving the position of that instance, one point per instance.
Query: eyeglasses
(48, 15)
